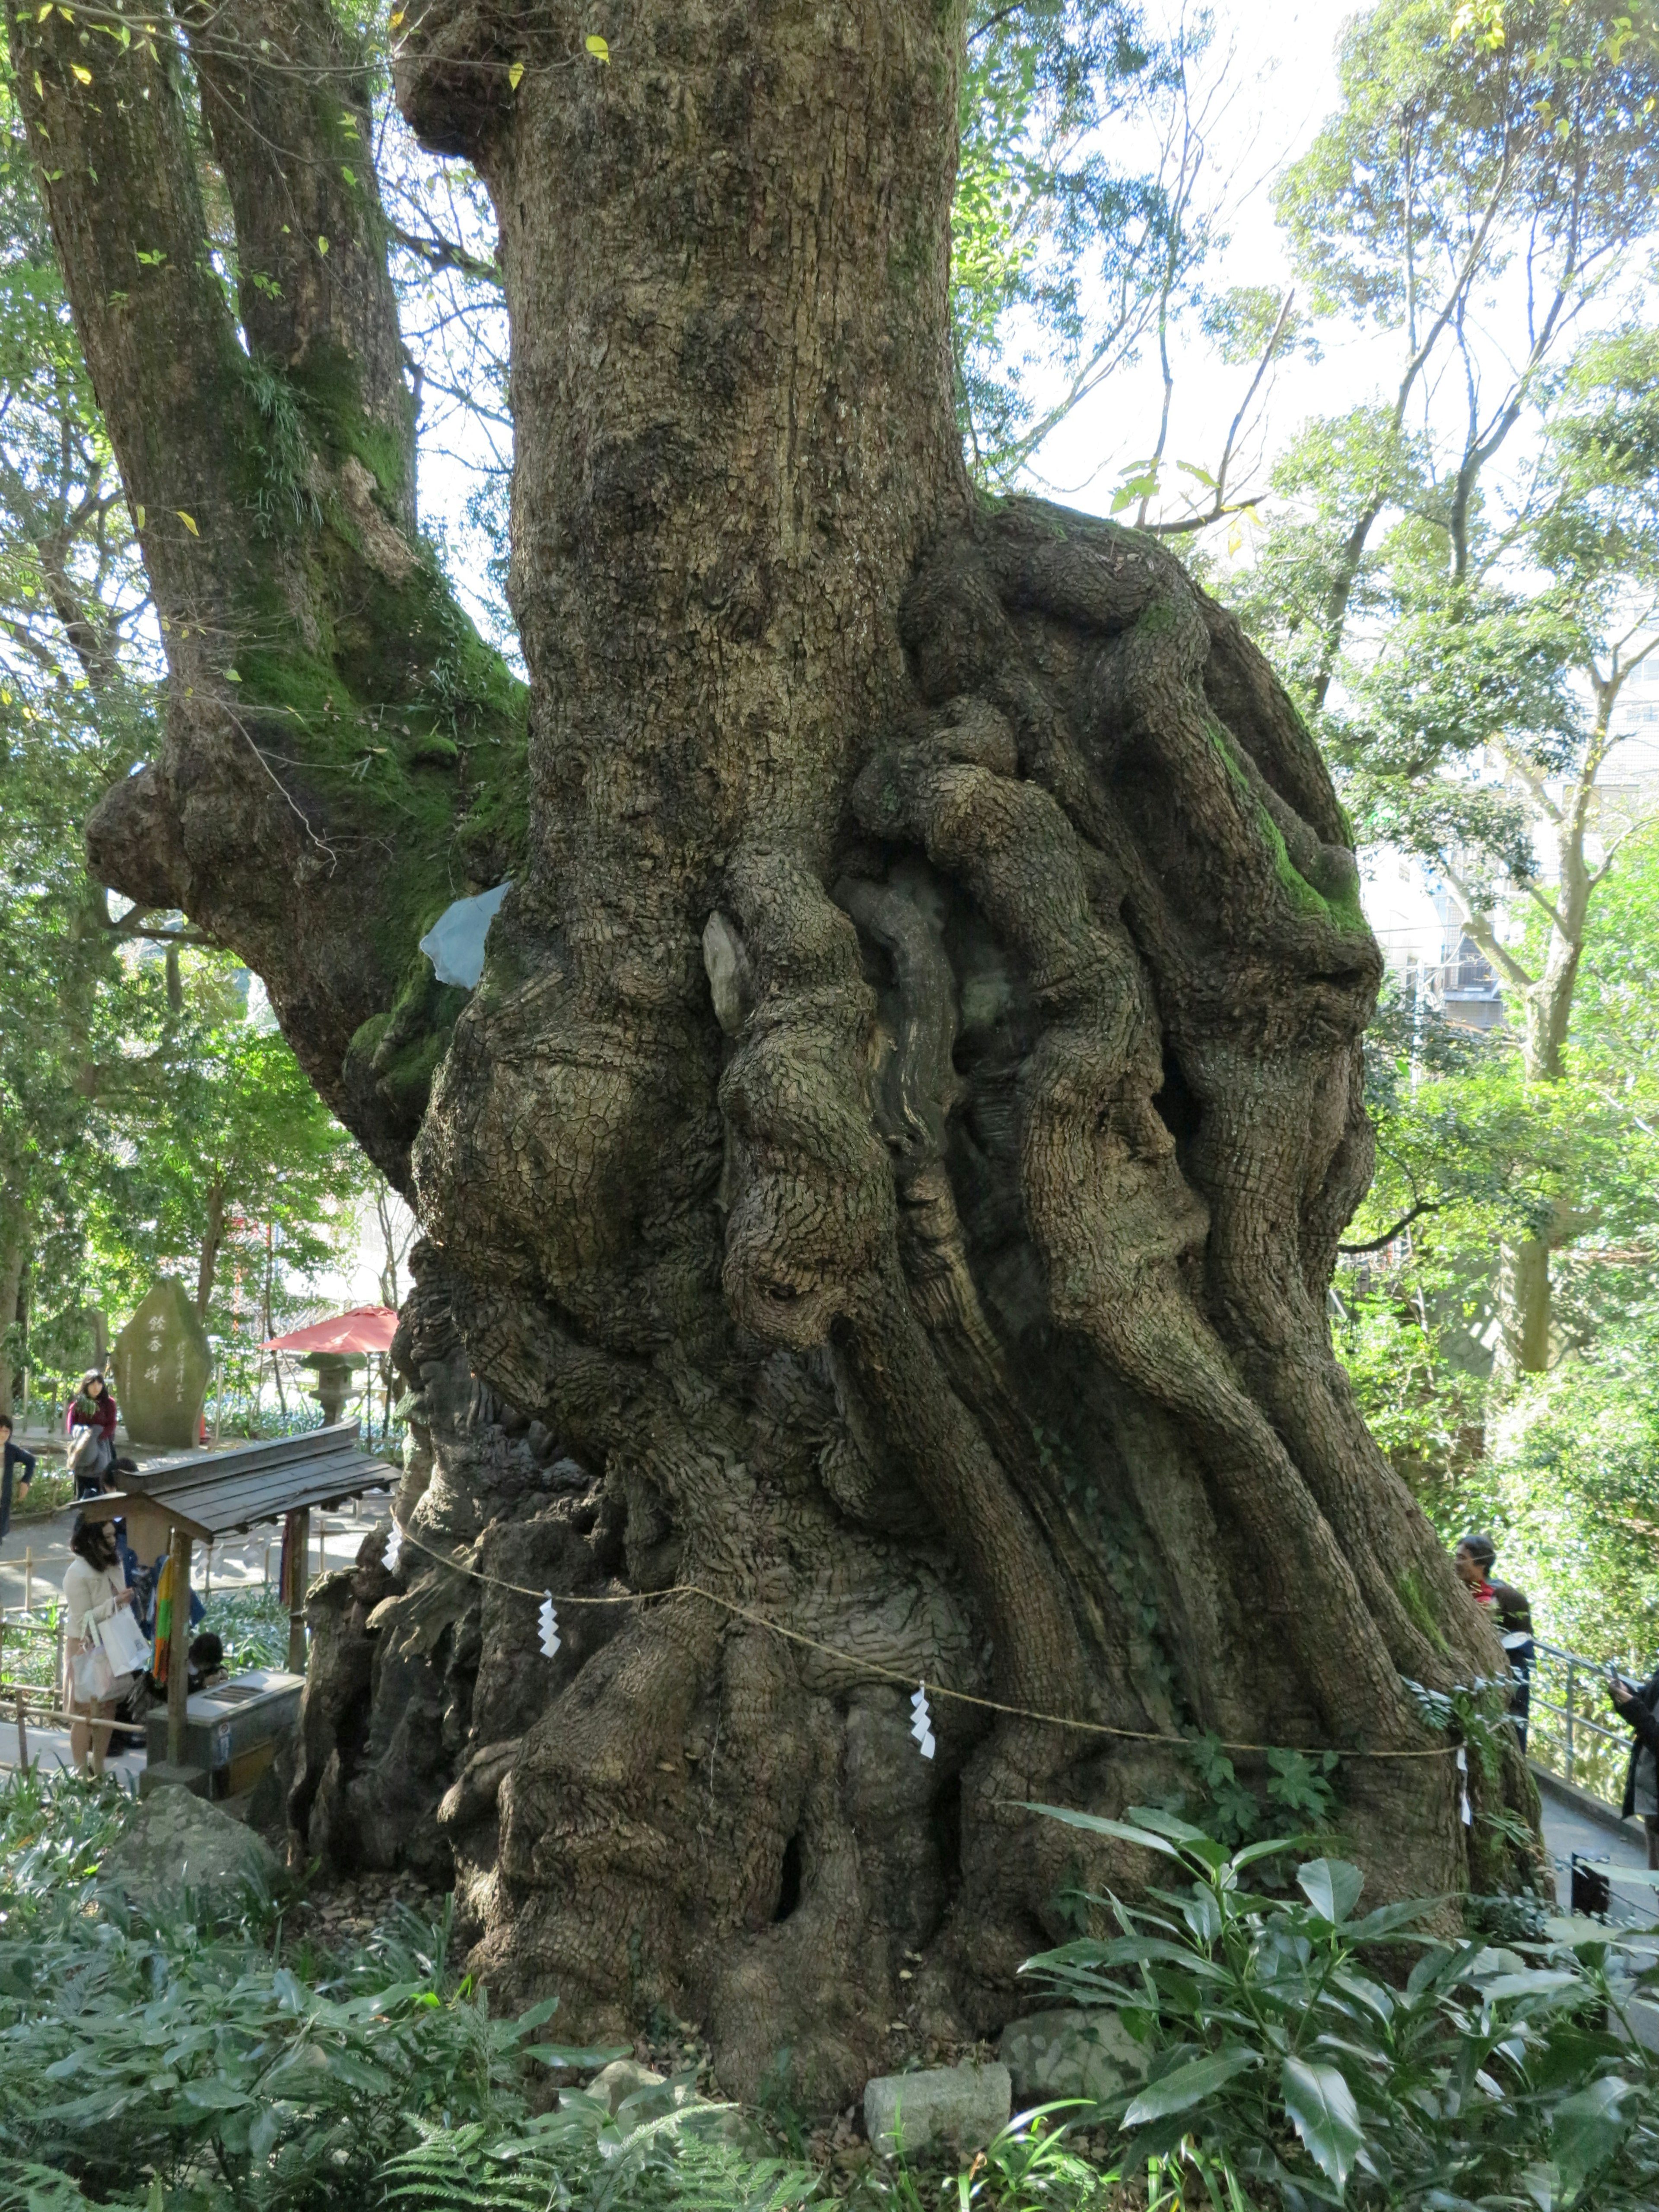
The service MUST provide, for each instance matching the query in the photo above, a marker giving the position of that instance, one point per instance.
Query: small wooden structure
(199, 1497)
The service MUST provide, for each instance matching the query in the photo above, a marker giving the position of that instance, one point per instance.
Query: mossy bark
(891, 1172)
(342, 753)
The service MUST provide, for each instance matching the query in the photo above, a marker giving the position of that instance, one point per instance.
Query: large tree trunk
(889, 1174)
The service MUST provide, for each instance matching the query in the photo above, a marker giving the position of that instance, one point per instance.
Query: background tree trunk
(14, 1264)
(889, 1174)
(1526, 1323)
(213, 1236)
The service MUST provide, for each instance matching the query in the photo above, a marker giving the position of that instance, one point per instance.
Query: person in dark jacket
(1638, 1707)
(15, 1456)
(1511, 1613)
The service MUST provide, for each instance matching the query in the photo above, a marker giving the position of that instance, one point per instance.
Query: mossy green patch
(400, 1052)
(1343, 910)
(1158, 619)
(389, 708)
(1412, 1595)
(327, 387)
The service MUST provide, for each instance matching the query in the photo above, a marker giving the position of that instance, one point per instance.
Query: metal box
(231, 1730)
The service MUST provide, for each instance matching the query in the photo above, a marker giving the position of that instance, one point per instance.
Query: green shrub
(1293, 2060)
(251, 1623)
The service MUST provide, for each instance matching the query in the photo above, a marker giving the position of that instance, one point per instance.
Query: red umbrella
(365, 1328)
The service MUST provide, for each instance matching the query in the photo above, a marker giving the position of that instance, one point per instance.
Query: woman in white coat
(95, 1585)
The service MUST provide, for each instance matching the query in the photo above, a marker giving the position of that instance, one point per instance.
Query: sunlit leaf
(1322, 2111)
(1176, 2092)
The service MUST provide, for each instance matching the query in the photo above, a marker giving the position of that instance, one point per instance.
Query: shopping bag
(123, 1641)
(92, 1676)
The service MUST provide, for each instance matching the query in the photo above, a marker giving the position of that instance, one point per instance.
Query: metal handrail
(1576, 1723)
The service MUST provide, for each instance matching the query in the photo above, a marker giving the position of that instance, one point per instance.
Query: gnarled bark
(889, 1174)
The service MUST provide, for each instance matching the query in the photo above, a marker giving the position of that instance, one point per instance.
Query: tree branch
(440, 254)
(1481, 930)
(1375, 1243)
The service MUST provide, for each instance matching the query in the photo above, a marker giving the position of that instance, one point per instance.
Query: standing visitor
(1511, 1609)
(94, 1587)
(15, 1456)
(1638, 1707)
(92, 1457)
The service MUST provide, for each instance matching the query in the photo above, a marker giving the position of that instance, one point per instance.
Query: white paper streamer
(1463, 1787)
(394, 1545)
(921, 1721)
(549, 1625)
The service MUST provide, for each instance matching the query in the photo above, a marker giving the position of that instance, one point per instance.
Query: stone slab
(1071, 2052)
(177, 1842)
(159, 1774)
(623, 2078)
(960, 2107)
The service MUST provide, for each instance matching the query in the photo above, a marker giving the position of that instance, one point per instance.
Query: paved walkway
(1571, 1828)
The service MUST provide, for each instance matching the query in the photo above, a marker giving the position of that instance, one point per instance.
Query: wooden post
(207, 1587)
(22, 1734)
(178, 1646)
(58, 1697)
(267, 1566)
(28, 1578)
(298, 1545)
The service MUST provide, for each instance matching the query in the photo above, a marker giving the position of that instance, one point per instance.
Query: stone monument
(163, 1368)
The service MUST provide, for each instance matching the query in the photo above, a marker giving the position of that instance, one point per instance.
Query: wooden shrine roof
(211, 1494)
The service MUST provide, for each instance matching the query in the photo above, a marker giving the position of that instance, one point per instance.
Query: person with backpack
(91, 1455)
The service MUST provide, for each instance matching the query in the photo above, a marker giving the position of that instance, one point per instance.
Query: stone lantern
(333, 1370)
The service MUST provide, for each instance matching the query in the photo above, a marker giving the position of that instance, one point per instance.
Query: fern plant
(579, 2159)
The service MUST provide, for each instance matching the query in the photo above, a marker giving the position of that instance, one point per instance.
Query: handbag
(124, 1642)
(92, 1674)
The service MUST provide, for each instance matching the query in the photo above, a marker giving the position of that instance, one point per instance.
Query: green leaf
(1528, 1983)
(1586, 2130)
(1176, 2092)
(1387, 1919)
(1095, 1826)
(1270, 1847)
(1322, 2111)
(567, 2054)
(1332, 1887)
(1165, 1824)
(597, 46)
(262, 2136)
(213, 2095)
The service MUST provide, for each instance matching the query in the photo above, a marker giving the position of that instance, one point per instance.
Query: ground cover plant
(1299, 2053)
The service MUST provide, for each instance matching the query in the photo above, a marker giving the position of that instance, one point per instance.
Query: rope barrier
(872, 1667)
